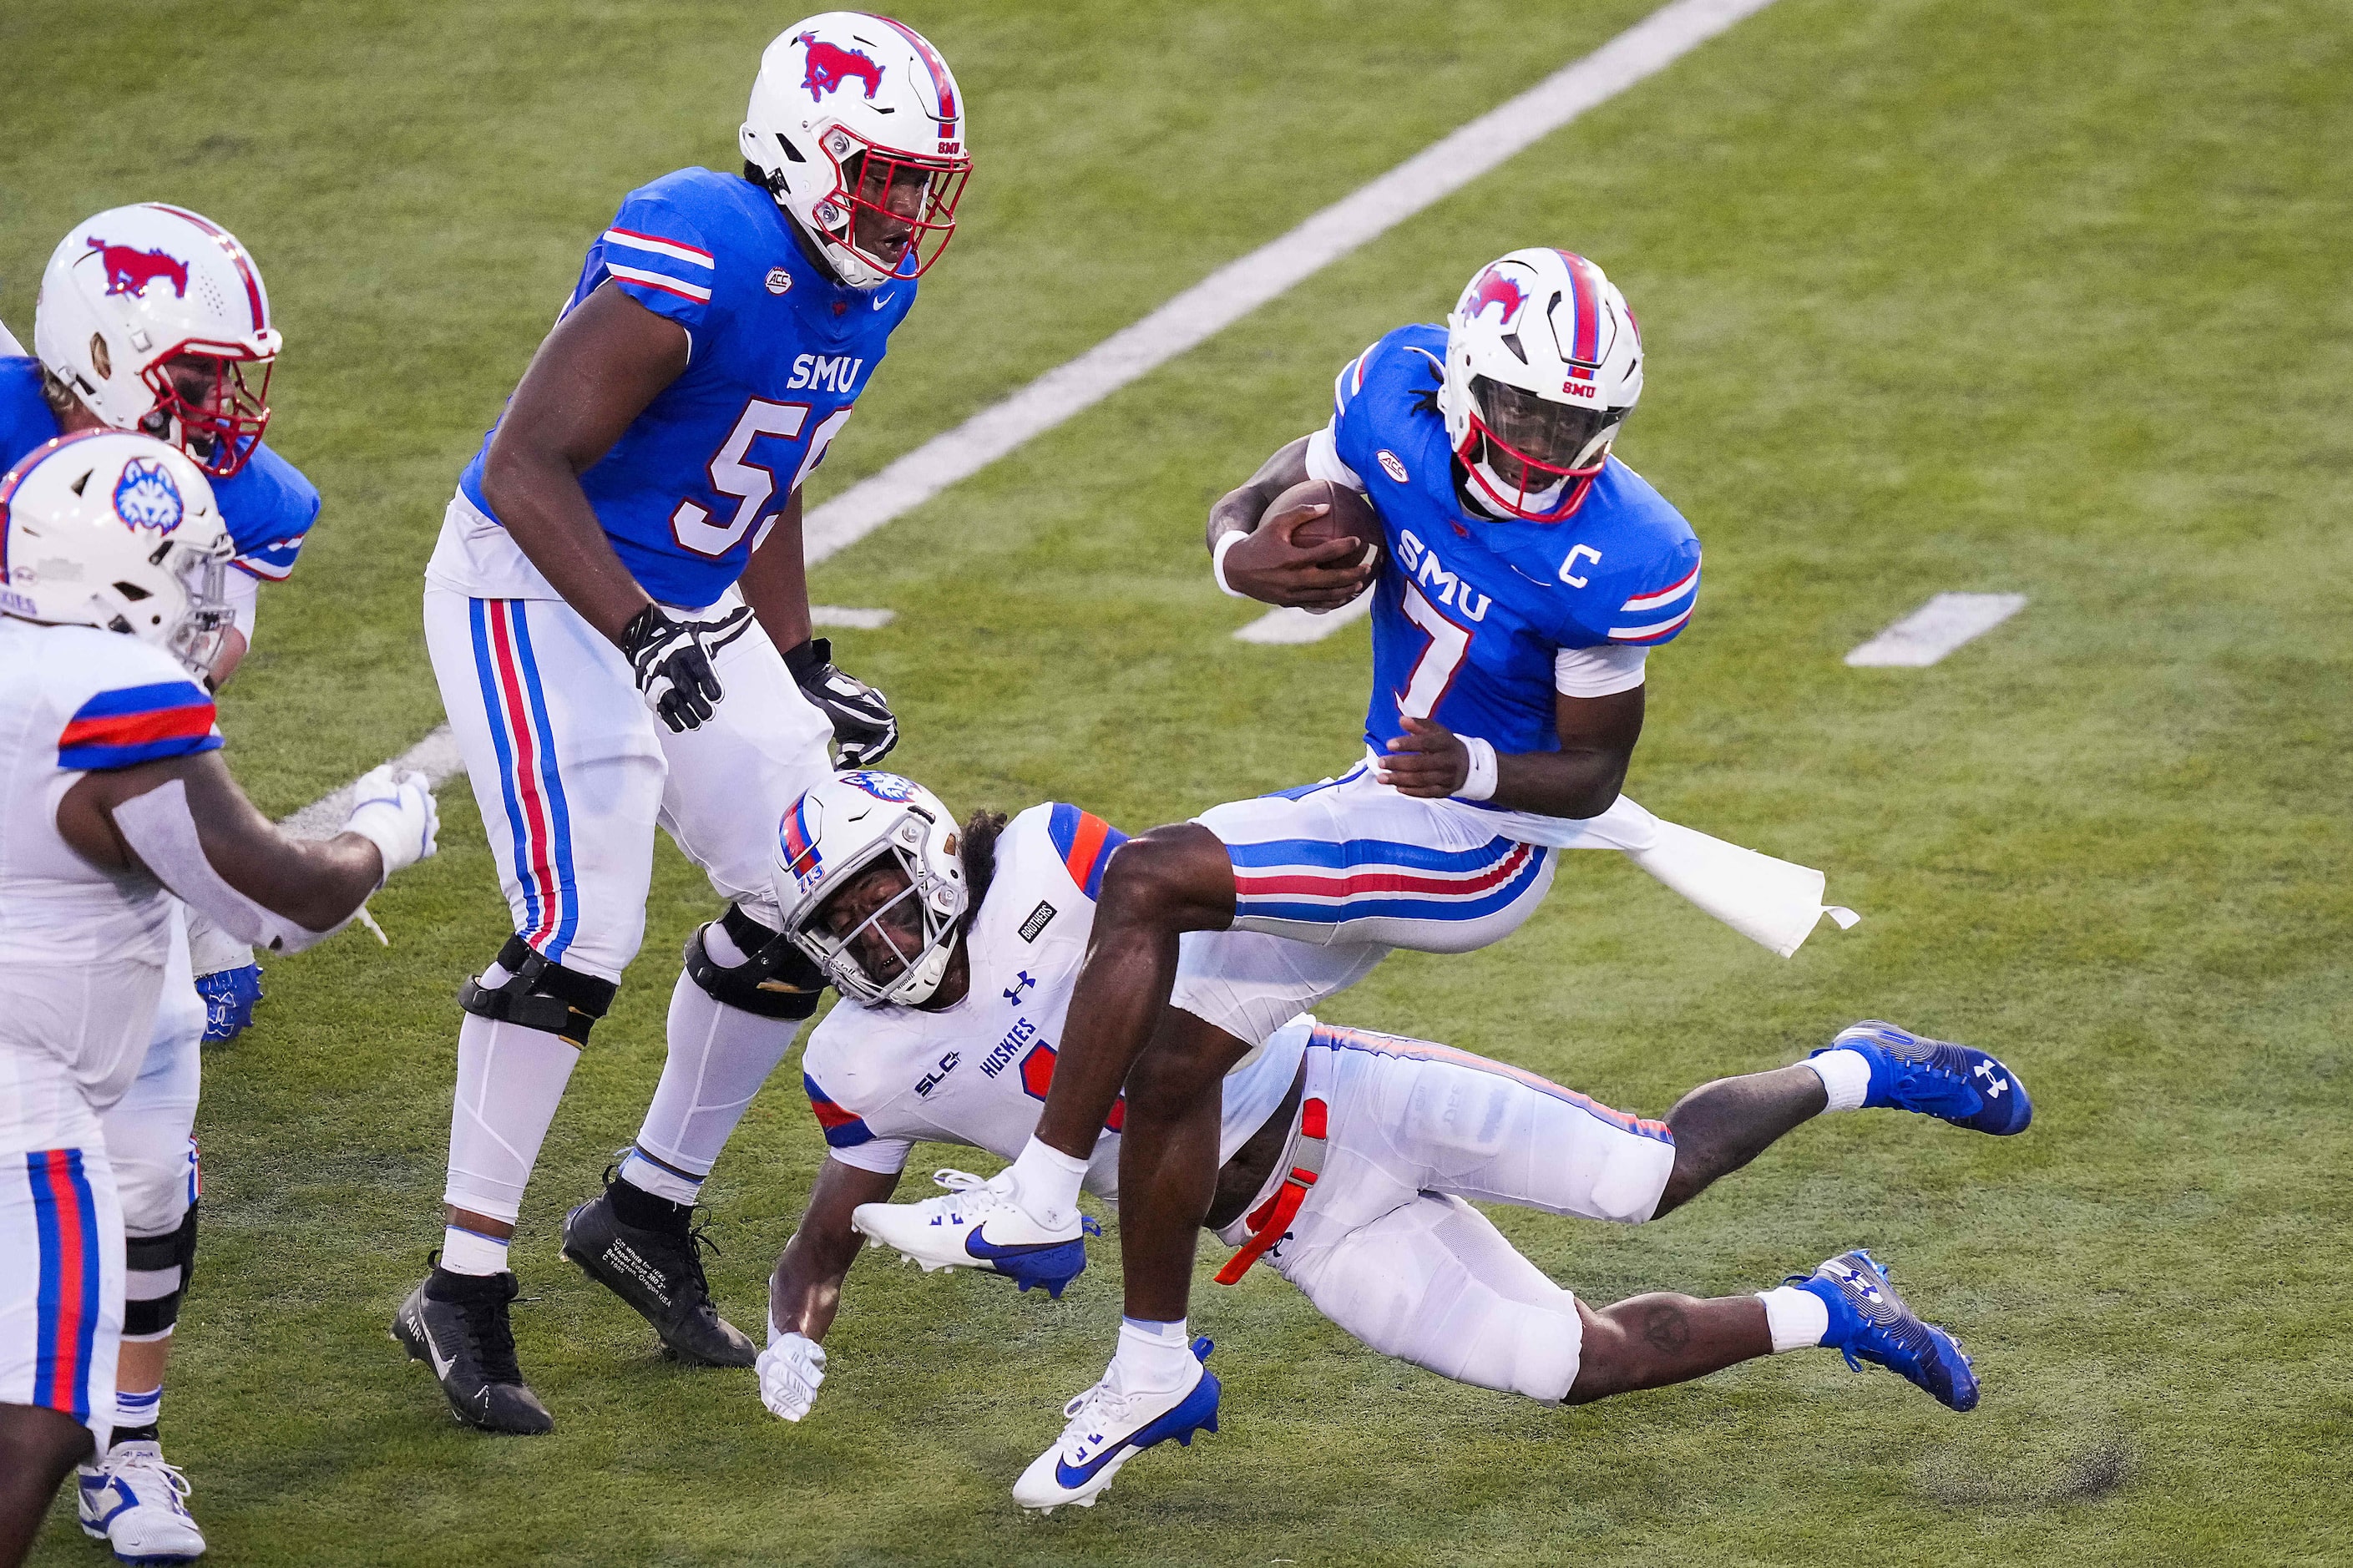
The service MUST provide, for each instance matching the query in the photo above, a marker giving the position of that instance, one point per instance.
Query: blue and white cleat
(1108, 1427)
(136, 1503)
(1870, 1322)
(1958, 1084)
(979, 1225)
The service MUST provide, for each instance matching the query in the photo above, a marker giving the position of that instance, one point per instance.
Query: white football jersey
(81, 949)
(884, 1078)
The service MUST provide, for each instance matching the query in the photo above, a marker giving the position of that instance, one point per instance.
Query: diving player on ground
(152, 318)
(1343, 1158)
(115, 803)
(619, 619)
(1527, 574)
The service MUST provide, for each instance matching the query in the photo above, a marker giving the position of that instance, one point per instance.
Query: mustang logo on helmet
(145, 497)
(831, 65)
(1494, 288)
(129, 271)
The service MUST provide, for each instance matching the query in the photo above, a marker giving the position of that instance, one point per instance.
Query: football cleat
(131, 1500)
(1108, 1427)
(980, 1225)
(1870, 1322)
(456, 1324)
(660, 1274)
(1952, 1083)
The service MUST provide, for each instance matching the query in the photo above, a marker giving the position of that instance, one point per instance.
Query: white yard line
(1935, 629)
(1226, 295)
(854, 620)
(1303, 625)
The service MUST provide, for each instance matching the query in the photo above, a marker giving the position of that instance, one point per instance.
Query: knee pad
(156, 1271)
(778, 980)
(538, 995)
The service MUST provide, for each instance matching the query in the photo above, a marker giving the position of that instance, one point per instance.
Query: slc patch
(145, 497)
(1040, 918)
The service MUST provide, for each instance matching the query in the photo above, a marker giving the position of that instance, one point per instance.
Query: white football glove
(790, 1369)
(395, 812)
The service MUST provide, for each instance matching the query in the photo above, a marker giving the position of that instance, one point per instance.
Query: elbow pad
(160, 830)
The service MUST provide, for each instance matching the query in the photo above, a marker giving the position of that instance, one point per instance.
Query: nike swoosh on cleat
(975, 1245)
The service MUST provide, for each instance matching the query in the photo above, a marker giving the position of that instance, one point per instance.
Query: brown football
(1351, 517)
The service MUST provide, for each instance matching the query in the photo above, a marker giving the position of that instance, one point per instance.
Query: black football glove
(673, 666)
(863, 725)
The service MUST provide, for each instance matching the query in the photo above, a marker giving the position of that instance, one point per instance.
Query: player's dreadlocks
(978, 853)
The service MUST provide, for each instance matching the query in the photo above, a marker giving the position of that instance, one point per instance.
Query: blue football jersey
(1469, 611)
(779, 353)
(267, 504)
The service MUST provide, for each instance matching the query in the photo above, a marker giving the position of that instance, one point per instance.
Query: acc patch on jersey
(145, 497)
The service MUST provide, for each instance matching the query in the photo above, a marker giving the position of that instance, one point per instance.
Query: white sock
(1045, 1182)
(660, 1180)
(510, 1081)
(1797, 1318)
(719, 1058)
(1152, 1357)
(1846, 1078)
(133, 1411)
(471, 1252)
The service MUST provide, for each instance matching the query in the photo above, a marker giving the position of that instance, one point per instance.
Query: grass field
(2044, 296)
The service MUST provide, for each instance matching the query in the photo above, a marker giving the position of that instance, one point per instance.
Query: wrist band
(1217, 562)
(1480, 785)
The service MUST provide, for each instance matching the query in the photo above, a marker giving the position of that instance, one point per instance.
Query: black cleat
(657, 1268)
(456, 1324)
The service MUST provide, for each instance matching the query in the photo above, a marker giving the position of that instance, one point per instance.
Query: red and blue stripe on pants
(65, 1218)
(538, 822)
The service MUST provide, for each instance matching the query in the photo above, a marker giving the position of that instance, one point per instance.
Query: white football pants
(1346, 872)
(1385, 1244)
(573, 774)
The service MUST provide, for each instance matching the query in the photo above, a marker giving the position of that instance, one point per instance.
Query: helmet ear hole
(791, 151)
(133, 592)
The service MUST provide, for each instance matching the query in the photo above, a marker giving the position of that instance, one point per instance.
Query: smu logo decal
(145, 497)
(1495, 289)
(831, 65)
(129, 271)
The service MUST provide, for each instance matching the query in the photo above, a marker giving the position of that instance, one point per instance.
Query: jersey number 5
(752, 485)
(1435, 670)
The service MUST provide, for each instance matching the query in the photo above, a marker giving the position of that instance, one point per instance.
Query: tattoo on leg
(1667, 1329)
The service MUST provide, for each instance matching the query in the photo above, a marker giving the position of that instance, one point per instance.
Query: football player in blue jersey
(154, 319)
(618, 616)
(1525, 576)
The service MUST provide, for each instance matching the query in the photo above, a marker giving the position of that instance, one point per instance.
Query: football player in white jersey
(113, 801)
(155, 319)
(1344, 1158)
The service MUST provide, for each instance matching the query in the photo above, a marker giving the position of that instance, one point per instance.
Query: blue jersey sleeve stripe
(1085, 842)
(154, 697)
(96, 756)
(842, 1129)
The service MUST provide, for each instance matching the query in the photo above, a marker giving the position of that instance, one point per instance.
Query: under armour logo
(1013, 992)
(1995, 1082)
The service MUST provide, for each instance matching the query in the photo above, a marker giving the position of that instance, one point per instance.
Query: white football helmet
(1544, 361)
(136, 285)
(845, 88)
(838, 829)
(117, 531)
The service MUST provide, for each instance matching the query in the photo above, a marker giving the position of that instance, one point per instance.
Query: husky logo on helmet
(797, 838)
(1494, 288)
(145, 497)
(831, 65)
(129, 271)
(881, 787)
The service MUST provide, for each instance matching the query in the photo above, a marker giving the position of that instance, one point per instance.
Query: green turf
(2039, 297)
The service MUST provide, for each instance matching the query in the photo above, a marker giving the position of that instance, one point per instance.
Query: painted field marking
(853, 620)
(1935, 629)
(1226, 295)
(1296, 625)
(1236, 289)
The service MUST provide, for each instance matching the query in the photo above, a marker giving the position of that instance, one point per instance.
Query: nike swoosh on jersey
(880, 300)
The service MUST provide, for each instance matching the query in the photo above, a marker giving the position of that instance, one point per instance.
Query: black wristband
(806, 659)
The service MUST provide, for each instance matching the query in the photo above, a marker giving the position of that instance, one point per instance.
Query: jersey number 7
(1435, 670)
(752, 485)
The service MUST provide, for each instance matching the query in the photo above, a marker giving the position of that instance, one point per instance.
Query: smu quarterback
(618, 616)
